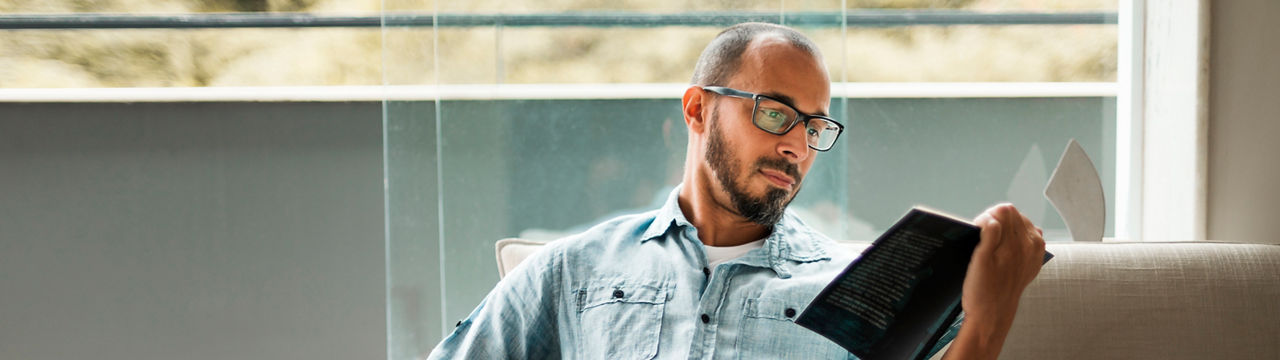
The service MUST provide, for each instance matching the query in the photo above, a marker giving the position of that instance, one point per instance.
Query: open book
(899, 298)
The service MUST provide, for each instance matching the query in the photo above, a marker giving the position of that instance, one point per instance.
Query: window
(538, 119)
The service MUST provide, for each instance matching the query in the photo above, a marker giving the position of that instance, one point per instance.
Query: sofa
(1110, 300)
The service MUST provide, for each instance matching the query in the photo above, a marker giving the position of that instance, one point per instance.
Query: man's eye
(772, 117)
(813, 132)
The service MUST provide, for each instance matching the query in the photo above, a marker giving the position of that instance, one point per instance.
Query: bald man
(722, 269)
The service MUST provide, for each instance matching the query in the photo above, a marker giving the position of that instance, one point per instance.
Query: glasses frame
(801, 117)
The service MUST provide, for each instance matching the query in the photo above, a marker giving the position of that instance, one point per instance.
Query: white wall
(191, 231)
(1244, 121)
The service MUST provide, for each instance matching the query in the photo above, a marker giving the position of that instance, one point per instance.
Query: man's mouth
(778, 178)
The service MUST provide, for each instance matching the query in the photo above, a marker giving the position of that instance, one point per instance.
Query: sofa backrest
(1129, 301)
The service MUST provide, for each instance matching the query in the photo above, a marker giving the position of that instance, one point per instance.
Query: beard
(766, 210)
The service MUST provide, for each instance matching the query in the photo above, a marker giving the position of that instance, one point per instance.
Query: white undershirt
(717, 255)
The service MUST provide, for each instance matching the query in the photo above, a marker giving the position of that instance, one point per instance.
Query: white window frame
(1161, 171)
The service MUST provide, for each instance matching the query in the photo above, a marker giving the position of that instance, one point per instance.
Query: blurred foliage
(370, 56)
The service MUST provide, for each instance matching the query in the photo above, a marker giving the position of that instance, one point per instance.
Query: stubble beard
(766, 210)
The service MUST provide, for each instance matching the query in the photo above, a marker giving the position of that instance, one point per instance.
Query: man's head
(748, 171)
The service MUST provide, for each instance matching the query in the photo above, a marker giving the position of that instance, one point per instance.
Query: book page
(883, 288)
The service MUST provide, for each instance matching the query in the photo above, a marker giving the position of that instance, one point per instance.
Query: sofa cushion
(1151, 301)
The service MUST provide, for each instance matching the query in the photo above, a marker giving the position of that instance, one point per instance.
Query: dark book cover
(899, 298)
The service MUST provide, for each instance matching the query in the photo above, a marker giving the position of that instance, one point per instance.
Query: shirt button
(706, 272)
(706, 319)
(617, 294)
(790, 312)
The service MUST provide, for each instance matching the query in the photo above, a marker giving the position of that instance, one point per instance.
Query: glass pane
(414, 272)
(190, 58)
(414, 301)
(551, 55)
(1075, 53)
(63, 58)
(962, 155)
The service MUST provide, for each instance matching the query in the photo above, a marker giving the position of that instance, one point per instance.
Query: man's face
(760, 173)
(766, 209)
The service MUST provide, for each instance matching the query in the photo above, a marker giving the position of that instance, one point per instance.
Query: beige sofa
(1130, 301)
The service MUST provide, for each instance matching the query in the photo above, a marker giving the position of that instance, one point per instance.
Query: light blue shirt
(637, 287)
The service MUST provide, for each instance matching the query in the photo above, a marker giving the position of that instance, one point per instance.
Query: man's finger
(1014, 227)
(990, 237)
(982, 218)
(1032, 231)
(1026, 221)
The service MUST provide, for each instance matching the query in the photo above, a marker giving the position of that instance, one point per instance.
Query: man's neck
(717, 225)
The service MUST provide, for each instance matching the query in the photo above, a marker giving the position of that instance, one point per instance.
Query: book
(899, 298)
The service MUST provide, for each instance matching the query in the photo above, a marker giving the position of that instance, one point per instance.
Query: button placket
(714, 297)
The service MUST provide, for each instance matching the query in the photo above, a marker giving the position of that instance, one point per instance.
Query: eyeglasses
(777, 117)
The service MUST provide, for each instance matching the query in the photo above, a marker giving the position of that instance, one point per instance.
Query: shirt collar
(667, 216)
(790, 240)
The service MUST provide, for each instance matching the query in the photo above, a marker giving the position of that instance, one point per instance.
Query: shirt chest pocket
(769, 331)
(621, 318)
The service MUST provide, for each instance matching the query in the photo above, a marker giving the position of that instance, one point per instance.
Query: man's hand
(1009, 254)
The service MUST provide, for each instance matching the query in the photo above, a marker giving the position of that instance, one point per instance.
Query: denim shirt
(637, 287)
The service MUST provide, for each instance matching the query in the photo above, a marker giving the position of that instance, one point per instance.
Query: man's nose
(794, 145)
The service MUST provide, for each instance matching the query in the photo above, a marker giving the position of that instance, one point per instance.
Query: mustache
(780, 165)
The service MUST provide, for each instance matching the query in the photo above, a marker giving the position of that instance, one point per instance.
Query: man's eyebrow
(789, 101)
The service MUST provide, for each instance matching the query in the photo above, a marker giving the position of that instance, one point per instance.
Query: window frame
(1162, 122)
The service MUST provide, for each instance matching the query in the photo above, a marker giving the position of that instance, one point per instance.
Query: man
(722, 269)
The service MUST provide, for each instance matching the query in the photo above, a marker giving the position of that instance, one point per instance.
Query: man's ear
(692, 107)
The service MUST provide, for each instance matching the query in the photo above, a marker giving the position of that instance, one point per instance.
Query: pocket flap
(776, 309)
(623, 290)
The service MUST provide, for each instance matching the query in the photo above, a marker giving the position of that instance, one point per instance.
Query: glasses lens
(822, 133)
(773, 116)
